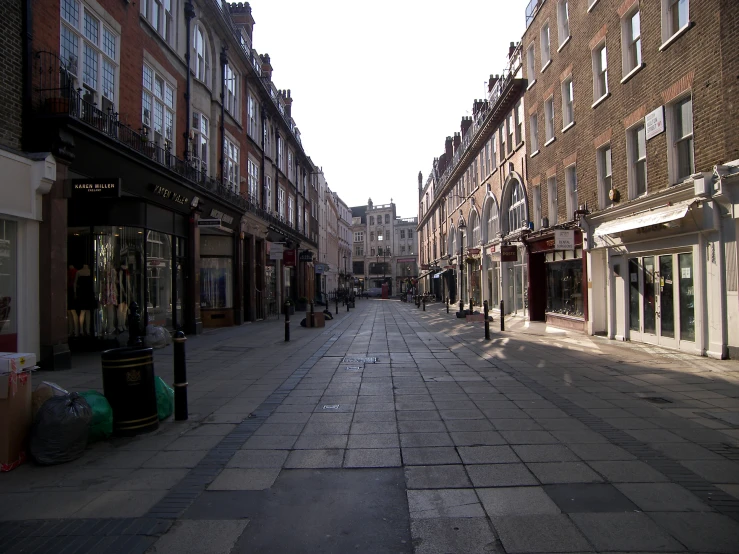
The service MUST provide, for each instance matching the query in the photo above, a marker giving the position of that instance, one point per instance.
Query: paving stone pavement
(399, 430)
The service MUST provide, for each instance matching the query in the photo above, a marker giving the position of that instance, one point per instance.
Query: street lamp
(461, 228)
(345, 275)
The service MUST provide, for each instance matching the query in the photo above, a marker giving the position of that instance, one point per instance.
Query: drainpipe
(224, 61)
(189, 15)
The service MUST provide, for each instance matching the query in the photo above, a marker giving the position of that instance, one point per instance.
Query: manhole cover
(331, 406)
(657, 400)
(360, 360)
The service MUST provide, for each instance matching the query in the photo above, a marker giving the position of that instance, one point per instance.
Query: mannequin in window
(123, 294)
(72, 321)
(85, 298)
(110, 297)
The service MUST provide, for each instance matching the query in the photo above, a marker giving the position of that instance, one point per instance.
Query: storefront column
(193, 306)
(250, 313)
(238, 279)
(53, 333)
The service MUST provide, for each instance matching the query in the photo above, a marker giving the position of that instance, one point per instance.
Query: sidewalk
(398, 430)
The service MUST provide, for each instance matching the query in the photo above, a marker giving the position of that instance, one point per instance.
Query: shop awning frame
(664, 214)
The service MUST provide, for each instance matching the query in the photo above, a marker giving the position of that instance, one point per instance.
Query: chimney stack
(448, 148)
(466, 124)
(457, 141)
(266, 66)
(288, 102)
(511, 49)
(491, 82)
(241, 16)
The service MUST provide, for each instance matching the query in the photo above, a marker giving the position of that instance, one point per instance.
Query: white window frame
(281, 203)
(231, 91)
(552, 201)
(517, 207)
(156, 98)
(493, 221)
(200, 142)
(290, 166)
(534, 133)
(252, 127)
(536, 201)
(231, 165)
(359, 236)
(159, 14)
(568, 103)
(253, 171)
(531, 64)
(571, 189)
(201, 55)
(493, 154)
(634, 160)
(280, 154)
(600, 73)
(518, 119)
(106, 55)
(291, 211)
(672, 29)
(475, 229)
(545, 40)
(674, 141)
(563, 22)
(631, 53)
(549, 120)
(604, 166)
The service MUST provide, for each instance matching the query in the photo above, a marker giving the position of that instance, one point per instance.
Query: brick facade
(11, 79)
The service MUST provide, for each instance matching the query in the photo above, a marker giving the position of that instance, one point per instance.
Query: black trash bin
(128, 384)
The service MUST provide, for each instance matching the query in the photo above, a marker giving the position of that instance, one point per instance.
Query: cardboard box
(15, 407)
(317, 319)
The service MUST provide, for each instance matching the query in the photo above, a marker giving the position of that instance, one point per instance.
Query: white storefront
(24, 180)
(662, 269)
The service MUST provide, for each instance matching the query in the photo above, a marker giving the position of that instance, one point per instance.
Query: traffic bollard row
(487, 323)
(502, 317)
(287, 323)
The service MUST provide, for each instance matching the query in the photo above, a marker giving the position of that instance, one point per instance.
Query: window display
(216, 272)
(564, 287)
(8, 286)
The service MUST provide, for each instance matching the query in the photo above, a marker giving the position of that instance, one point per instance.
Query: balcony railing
(531, 8)
(54, 95)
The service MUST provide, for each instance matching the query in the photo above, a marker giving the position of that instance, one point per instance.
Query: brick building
(474, 206)
(181, 185)
(630, 155)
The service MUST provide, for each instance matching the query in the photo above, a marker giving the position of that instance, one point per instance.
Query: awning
(656, 216)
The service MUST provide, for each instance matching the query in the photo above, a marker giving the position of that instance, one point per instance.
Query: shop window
(201, 56)
(8, 286)
(159, 267)
(199, 145)
(686, 298)
(564, 284)
(83, 35)
(216, 275)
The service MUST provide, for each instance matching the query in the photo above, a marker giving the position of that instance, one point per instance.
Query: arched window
(493, 222)
(475, 226)
(200, 55)
(516, 207)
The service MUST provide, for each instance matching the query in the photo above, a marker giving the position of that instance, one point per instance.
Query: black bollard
(502, 317)
(347, 305)
(487, 323)
(423, 301)
(336, 298)
(461, 306)
(287, 322)
(134, 325)
(447, 304)
(180, 377)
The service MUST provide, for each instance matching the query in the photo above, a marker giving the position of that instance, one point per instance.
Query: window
(563, 21)
(410, 233)
(631, 41)
(200, 56)
(402, 233)
(475, 224)
(537, 208)
(231, 91)
(372, 251)
(291, 211)
(379, 235)
(280, 157)
(199, 153)
(518, 112)
(387, 218)
(534, 132)
(545, 52)
(509, 131)
(553, 207)
(571, 185)
(493, 222)
(517, 208)
(359, 251)
(158, 107)
(290, 165)
(675, 17)
(568, 96)
(486, 170)
(281, 203)
(603, 161)
(600, 72)
(359, 236)
(531, 64)
(549, 114)
(231, 165)
(492, 153)
(402, 249)
(159, 15)
(681, 138)
(502, 140)
(636, 152)
(251, 124)
(84, 34)
(253, 170)
(268, 201)
(372, 236)
(372, 220)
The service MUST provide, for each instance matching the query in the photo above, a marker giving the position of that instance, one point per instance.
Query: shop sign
(288, 258)
(275, 250)
(508, 254)
(220, 215)
(96, 188)
(654, 122)
(209, 222)
(168, 194)
(473, 251)
(564, 239)
(306, 256)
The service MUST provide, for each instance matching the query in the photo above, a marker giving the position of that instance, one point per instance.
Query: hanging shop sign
(654, 122)
(288, 258)
(275, 250)
(564, 239)
(306, 256)
(508, 254)
(473, 251)
(95, 188)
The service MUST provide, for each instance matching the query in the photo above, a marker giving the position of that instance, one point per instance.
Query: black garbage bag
(60, 429)
(302, 323)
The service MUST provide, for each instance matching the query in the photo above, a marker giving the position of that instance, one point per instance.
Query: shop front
(491, 275)
(507, 277)
(558, 279)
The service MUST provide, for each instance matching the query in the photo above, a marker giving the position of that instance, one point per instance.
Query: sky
(377, 86)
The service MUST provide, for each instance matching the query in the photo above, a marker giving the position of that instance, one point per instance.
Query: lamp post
(345, 276)
(461, 228)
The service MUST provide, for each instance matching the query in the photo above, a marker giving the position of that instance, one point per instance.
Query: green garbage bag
(165, 399)
(101, 426)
